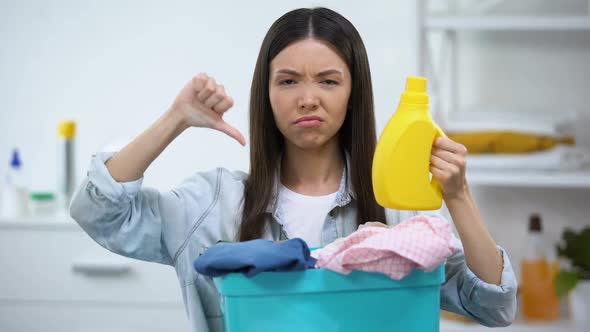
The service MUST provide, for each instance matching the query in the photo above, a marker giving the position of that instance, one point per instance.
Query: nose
(308, 100)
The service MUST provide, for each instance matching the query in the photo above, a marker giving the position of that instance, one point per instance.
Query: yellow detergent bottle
(401, 164)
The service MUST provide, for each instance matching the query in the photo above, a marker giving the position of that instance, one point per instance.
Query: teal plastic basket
(319, 300)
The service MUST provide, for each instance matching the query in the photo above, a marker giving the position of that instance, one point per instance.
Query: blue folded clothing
(254, 256)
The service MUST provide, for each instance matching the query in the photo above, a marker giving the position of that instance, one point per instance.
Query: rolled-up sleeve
(121, 216)
(466, 294)
(99, 176)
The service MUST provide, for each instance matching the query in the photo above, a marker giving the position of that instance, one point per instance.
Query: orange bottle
(539, 301)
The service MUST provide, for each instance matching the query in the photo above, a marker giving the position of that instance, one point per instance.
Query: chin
(309, 142)
(308, 145)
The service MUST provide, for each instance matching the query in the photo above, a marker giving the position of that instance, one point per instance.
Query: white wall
(115, 66)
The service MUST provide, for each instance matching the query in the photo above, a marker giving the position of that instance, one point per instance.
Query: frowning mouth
(309, 121)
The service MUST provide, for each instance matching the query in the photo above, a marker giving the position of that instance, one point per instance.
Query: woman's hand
(202, 103)
(447, 165)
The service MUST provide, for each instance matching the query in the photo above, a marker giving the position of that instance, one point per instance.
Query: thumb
(232, 132)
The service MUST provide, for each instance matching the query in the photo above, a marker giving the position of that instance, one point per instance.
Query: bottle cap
(416, 84)
(42, 196)
(66, 129)
(15, 162)
(535, 223)
(415, 92)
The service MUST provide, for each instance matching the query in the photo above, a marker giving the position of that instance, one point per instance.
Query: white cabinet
(55, 278)
(439, 61)
(442, 27)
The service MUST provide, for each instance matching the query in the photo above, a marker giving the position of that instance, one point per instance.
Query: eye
(287, 82)
(330, 82)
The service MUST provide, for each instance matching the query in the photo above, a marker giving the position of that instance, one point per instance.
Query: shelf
(509, 23)
(577, 179)
(53, 222)
(563, 325)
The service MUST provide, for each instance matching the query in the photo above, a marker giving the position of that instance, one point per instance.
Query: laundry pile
(419, 242)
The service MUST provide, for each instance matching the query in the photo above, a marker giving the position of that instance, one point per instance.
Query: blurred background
(509, 79)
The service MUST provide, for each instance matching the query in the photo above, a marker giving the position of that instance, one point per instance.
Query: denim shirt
(176, 226)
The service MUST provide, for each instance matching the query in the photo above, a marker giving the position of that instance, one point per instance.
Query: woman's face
(309, 87)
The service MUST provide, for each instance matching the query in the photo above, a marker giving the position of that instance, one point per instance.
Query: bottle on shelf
(66, 163)
(14, 195)
(538, 271)
(42, 204)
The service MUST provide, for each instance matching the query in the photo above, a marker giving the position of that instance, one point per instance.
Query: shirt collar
(343, 197)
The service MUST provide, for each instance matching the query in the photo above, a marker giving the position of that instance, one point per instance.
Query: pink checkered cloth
(419, 242)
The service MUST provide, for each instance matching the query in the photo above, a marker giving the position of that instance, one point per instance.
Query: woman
(312, 133)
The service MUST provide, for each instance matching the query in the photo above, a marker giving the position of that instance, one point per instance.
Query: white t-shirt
(303, 216)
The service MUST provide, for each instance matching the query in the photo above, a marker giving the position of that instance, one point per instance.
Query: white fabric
(558, 158)
(303, 216)
(555, 124)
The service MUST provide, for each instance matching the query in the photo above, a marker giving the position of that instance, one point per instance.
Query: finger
(224, 105)
(199, 82)
(439, 162)
(445, 143)
(207, 90)
(445, 166)
(450, 157)
(449, 170)
(456, 159)
(215, 97)
(439, 174)
(231, 132)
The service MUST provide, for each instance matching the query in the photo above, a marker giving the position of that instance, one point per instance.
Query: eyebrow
(322, 73)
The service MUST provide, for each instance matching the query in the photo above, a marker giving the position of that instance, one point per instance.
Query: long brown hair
(357, 134)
